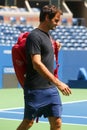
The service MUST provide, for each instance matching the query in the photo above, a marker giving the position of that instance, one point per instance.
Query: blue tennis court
(73, 113)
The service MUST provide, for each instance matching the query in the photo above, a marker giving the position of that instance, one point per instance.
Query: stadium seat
(1, 19)
(12, 20)
(64, 21)
(19, 27)
(66, 41)
(55, 37)
(85, 48)
(35, 9)
(22, 9)
(71, 37)
(2, 42)
(22, 20)
(74, 21)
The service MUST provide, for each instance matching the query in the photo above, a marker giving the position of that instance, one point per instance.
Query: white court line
(6, 111)
(11, 119)
(10, 112)
(11, 108)
(75, 101)
(84, 117)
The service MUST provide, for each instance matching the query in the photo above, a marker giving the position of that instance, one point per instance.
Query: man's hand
(64, 89)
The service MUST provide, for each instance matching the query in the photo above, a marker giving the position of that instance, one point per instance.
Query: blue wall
(70, 62)
(5, 63)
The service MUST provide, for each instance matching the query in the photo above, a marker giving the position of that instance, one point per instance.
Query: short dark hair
(49, 10)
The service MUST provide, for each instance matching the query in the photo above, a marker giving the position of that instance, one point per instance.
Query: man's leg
(25, 124)
(55, 123)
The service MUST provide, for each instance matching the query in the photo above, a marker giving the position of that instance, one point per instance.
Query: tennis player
(41, 90)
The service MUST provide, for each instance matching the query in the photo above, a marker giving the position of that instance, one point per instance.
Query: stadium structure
(22, 15)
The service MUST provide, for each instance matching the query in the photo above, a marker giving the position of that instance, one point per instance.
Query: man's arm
(42, 69)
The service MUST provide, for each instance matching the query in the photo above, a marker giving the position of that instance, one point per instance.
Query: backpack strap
(55, 48)
(56, 58)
